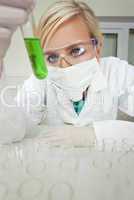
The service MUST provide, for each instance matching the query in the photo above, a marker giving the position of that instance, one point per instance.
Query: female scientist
(81, 87)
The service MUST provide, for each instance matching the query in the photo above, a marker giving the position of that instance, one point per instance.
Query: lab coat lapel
(99, 82)
(60, 109)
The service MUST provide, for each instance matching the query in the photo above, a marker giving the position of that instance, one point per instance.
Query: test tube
(34, 49)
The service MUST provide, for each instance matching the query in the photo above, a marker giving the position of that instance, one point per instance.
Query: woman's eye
(53, 58)
(77, 51)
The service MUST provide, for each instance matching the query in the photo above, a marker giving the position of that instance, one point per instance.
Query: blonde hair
(61, 11)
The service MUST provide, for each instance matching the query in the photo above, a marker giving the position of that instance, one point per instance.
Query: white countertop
(32, 170)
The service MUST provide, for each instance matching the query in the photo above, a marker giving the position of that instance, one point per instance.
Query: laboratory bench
(34, 170)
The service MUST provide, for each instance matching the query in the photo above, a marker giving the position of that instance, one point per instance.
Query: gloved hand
(68, 136)
(12, 14)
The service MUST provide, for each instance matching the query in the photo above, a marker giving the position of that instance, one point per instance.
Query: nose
(64, 63)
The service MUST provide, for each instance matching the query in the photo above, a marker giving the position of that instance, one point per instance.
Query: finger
(5, 33)
(61, 143)
(24, 4)
(55, 141)
(4, 44)
(12, 17)
(53, 136)
(45, 136)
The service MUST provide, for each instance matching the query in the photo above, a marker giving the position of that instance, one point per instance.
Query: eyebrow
(65, 46)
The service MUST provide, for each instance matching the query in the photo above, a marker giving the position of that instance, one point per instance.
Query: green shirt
(78, 105)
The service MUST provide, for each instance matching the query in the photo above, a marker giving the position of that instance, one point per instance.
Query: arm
(12, 121)
(12, 14)
(126, 96)
(68, 136)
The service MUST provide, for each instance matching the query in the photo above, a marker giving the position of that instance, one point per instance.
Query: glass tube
(34, 49)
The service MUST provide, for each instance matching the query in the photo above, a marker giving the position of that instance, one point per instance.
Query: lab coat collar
(99, 82)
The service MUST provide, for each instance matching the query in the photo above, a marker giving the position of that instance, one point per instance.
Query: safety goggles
(71, 54)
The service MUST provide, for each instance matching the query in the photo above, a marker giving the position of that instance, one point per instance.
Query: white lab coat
(111, 90)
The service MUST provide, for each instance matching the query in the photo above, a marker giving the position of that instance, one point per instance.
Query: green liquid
(36, 56)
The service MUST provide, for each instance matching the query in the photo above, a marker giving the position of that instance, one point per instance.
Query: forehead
(69, 32)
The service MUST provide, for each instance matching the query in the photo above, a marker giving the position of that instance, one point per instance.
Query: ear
(99, 48)
(98, 53)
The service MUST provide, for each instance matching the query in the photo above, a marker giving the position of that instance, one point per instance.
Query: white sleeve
(126, 94)
(12, 120)
(12, 124)
(31, 99)
(114, 129)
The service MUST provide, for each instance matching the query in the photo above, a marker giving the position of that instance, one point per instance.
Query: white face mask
(75, 79)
